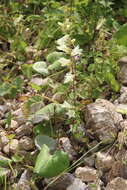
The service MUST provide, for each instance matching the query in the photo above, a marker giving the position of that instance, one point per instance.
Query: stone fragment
(103, 161)
(61, 183)
(26, 143)
(4, 108)
(14, 125)
(102, 120)
(66, 145)
(123, 60)
(6, 149)
(118, 169)
(86, 174)
(19, 116)
(24, 181)
(13, 146)
(122, 75)
(77, 184)
(121, 108)
(123, 97)
(117, 184)
(23, 130)
(90, 161)
(3, 138)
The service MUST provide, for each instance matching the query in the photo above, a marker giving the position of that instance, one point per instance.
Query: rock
(77, 184)
(14, 125)
(122, 137)
(123, 60)
(19, 116)
(23, 130)
(61, 183)
(6, 149)
(118, 170)
(121, 108)
(86, 174)
(26, 143)
(122, 75)
(123, 90)
(24, 182)
(103, 161)
(102, 120)
(121, 155)
(4, 108)
(90, 161)
(66, 145)
(3, 138)
(13, 146)
(123, 97)
(117, 184)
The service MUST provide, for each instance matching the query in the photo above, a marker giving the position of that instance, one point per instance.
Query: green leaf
(51, 109)
(17, 158)
(121, 35)
(55, 66)
(9, 118)
(4, 161)
(54, 56)
(41, 67)
(5, 89)
(48, 165)
(27, 70)
(40, 140)
(112, 81)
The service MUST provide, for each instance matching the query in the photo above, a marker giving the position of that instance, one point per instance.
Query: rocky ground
(103, 165)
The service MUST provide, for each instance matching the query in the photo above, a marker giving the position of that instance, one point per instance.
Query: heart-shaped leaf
(48, 111)
(48, 165)
(40, 140)
(54, 56)
(41, 67)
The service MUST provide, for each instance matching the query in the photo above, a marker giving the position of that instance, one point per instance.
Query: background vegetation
(73, 45)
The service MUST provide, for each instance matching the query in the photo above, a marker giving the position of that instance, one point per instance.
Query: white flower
(68, 77)
(63, 40)
(63, 44)
(76, 51)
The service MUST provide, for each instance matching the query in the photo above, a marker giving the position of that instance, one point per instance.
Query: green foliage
(121, 35)
(27, 70)
(40, 140)
(48, 165)
(11, 89)
(50, 110)
(54, 56)
(41, 67)
(4, 162)
(74, 47)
